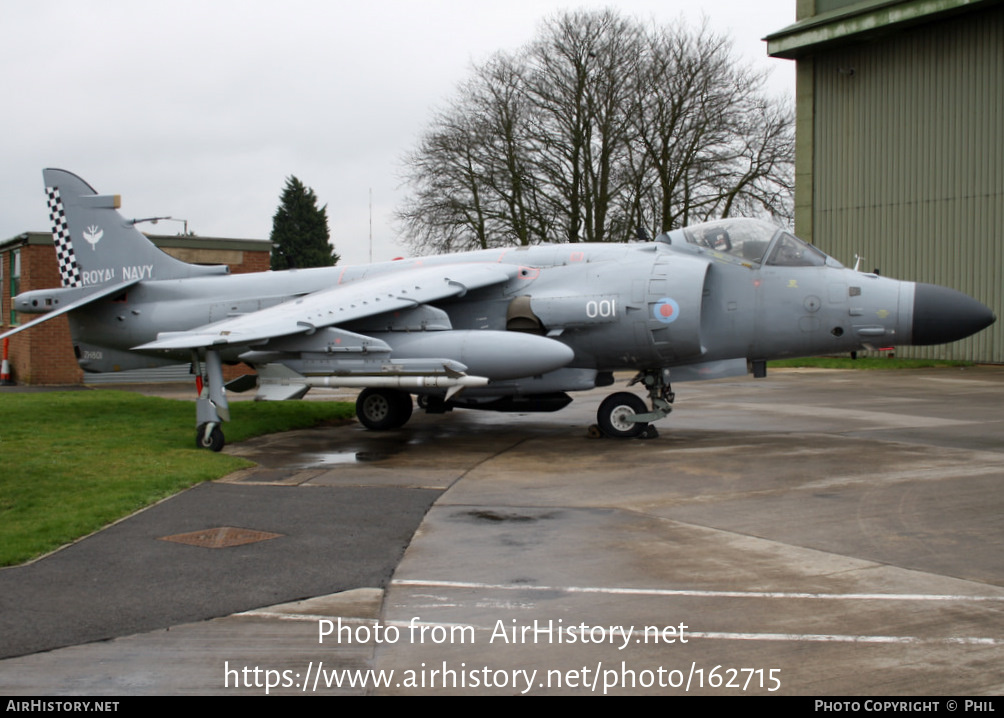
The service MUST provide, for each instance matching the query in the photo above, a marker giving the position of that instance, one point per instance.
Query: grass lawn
(880, 362)
(78, 460)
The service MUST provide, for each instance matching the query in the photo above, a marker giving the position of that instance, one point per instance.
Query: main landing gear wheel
(212, 441)
(382, 409)
(615, 413)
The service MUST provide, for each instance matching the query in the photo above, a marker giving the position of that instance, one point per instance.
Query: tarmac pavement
(811, 533)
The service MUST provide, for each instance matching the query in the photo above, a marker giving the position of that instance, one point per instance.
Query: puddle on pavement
(346, 457)
(365, 456)
(334, 457)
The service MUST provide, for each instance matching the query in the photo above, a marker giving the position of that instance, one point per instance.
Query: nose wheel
(625, 416)
(616, 414)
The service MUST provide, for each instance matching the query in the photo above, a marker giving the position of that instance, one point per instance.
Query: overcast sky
(200, 110)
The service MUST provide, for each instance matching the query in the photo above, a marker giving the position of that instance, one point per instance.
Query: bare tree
(581, 83)
(447, 211)
(710, 143)
(762, 176)
(500, 101)
(472, 175)
(597, 127)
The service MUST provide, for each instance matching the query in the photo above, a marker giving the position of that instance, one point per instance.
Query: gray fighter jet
(510, 329)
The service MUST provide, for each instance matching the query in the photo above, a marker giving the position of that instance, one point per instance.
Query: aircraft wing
(339, 304)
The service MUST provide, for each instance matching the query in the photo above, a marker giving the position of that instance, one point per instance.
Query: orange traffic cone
(5, 379)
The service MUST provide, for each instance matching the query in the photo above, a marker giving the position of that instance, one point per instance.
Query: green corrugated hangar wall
(907, 158)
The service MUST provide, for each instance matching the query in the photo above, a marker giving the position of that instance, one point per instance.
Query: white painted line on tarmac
(836, 638)
(614, 590)
(708, 635)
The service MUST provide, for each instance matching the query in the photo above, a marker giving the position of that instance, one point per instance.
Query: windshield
(745, 239)
(790, 251)
(748, 241)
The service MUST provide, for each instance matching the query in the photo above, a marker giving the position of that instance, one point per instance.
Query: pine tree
(300, 236)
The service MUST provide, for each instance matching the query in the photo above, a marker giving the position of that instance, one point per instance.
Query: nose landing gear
(623, 415)
(616, 415)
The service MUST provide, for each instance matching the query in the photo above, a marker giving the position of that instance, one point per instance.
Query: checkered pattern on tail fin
(69, 271)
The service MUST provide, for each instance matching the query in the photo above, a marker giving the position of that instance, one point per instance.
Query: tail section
(96, 246)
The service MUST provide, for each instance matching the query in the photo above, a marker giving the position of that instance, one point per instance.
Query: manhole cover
(222, 537)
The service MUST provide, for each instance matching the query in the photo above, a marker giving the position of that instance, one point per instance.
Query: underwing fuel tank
(493, 354)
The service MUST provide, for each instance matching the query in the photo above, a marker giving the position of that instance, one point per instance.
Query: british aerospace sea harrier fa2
(509, 329)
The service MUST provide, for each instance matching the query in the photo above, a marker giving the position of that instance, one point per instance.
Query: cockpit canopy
(751, 240)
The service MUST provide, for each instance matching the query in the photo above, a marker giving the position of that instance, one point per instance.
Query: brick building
(44, 353)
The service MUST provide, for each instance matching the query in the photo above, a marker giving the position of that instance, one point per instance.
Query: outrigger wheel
(209, 438)
(211, 408)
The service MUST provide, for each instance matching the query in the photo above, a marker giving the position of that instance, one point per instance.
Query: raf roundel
(666, 310)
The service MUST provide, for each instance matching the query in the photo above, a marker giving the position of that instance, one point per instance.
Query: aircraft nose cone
(942, 315)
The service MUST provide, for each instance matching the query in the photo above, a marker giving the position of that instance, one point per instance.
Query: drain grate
(222, 537)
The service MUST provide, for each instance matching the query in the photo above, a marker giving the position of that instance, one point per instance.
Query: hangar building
(900, 144)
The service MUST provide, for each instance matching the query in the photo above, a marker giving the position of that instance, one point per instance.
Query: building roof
(844, 22)
(164, 241)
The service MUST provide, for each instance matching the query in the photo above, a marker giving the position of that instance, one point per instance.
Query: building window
(15, 281)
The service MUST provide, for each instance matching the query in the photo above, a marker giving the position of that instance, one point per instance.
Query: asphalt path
(811, 533)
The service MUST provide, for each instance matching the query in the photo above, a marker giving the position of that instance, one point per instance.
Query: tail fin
(95, 245)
